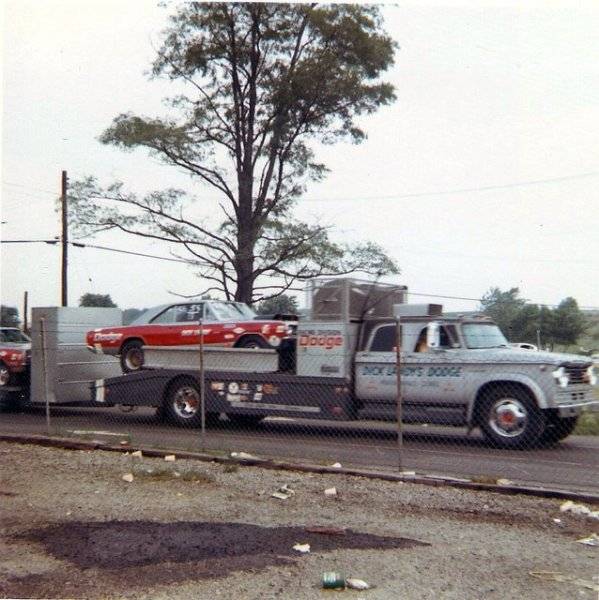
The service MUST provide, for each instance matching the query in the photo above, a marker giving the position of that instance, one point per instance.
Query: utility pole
(25, 311)
(65, 239)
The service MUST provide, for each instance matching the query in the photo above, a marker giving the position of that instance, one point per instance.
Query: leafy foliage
(99, 300)
(263, 81)
(9, 316)
(523, 322)
(282, 304)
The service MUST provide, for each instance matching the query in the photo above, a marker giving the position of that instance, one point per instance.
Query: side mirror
(433, 335)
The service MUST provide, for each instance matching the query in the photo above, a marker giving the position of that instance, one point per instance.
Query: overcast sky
(484, 172)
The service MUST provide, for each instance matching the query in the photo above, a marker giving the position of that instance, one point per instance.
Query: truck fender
(529, 383)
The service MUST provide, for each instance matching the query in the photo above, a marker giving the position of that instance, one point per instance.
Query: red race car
(15, 357)
(223, 324)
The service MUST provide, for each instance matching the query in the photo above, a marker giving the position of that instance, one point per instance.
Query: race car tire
(132, 356)
(252, 341)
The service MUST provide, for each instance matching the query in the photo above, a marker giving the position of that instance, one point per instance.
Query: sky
(484, 173)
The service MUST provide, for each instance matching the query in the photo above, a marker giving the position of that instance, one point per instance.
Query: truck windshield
(13, 336)
(483, 335)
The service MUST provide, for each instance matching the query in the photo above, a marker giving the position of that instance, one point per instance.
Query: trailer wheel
(182, 405)
(558, 429)
(245, 420)
(132, 356)
(4, 375)
(510, 418)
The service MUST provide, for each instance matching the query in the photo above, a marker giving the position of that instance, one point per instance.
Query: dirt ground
(71, 527)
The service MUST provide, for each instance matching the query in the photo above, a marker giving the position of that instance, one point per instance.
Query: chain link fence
(418, 392)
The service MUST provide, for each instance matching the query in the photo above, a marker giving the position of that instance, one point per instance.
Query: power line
(462, 190)
(466, 190)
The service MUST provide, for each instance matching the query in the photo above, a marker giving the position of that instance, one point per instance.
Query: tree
(262, 81)
(282, 304)
(9, 316)
(504, 308)
(97, 300)
(568, 323)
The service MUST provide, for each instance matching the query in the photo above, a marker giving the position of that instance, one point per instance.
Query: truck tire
(182, 405)
(245, 420)
(510, 418)
(252, 341)
(558, 429)
(132, 356)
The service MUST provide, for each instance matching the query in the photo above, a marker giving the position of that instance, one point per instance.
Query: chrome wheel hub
(508, 417)
(186, 402)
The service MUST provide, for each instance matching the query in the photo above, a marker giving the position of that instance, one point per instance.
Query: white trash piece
(170, 458)
(592, 540)
(578, 509)
(303, 548)
(357, 584)
(137, 453)
(283, 493)
(330, 492)
(336, 465)
(128, 477)
(243, 455)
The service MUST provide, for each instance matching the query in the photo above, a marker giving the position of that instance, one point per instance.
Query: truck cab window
(384, 339)
(444, 340)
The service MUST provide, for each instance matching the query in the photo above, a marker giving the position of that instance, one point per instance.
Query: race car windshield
(481, 335)
(13, 336)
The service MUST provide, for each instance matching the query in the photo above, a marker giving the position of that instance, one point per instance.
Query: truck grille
(576, 373)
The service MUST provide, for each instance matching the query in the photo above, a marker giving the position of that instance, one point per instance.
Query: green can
(333, 580)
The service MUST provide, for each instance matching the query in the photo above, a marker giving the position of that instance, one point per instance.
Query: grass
(169, 474)
(588, 424)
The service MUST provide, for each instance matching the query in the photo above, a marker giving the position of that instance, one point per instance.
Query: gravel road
(72, 527)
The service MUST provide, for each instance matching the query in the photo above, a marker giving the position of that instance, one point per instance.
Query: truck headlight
(561, 377)
(590, 376)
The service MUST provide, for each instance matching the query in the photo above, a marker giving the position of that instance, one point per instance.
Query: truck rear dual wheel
(510, 418)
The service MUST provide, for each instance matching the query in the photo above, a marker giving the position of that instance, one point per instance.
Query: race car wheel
(253, 341)
(558, 429)
(132, 356)
(510, 418)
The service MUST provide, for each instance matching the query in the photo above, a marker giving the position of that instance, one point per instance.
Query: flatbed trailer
(241, 396)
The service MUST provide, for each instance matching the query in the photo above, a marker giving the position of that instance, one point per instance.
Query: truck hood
(532, 357)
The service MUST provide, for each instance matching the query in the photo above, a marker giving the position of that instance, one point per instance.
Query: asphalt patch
(122, 544)
(145, 553)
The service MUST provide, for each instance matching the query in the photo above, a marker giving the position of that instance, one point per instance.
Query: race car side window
(179, 313)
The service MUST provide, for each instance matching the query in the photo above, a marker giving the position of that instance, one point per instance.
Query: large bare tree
(262, 82)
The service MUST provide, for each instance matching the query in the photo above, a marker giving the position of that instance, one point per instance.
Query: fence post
(45, 373)
(398, 402)
(202, 387)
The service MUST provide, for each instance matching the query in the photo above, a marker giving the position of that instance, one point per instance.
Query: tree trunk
(246, 239)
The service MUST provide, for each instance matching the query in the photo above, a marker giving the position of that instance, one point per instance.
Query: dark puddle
(113, 558)
(123, 544)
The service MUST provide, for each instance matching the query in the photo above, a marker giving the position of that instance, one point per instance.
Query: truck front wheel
(510, 418)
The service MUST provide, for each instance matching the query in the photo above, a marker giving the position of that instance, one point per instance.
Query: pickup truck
(457, 371)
